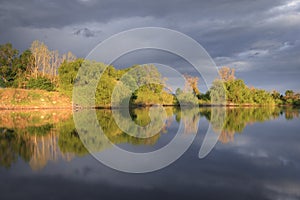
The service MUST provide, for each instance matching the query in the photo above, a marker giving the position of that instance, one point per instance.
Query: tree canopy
(41, 68)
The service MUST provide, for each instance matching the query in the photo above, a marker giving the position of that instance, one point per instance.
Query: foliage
(238, 93)
(234, 120)
(33, 65)
(40, 83)
(13, 146)
(262, 97)
(67, 73)
(8, 55)
(69, 141)
(193, 83)
(186, 98)
(41, 68)
(227, 74)
(217, 92)
(37, 140)
(291, 98)
(140, 85)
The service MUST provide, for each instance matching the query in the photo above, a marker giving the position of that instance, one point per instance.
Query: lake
(256, 155)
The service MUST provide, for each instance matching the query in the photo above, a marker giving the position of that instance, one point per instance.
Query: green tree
(277, 97)
(289, 93)
(8, 54)
(22, 69)
(218, 92)
(237, 92)
(67, 74)
(262, 97)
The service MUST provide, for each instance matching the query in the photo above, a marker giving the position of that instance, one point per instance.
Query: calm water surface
(256, 157)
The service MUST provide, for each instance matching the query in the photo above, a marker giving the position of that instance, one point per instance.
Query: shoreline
(16, 107)
(23, 99)
(35, 108)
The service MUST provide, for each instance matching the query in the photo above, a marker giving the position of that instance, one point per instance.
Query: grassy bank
(11, 98)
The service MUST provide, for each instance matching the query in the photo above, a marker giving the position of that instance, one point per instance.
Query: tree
(55, 62)
(146, 84)
(227, 74)
(22, 69)
(289, 93)
(41, 56)
(262, 97)
(290, 97)
(67, 74)
(275, 94)
(69, 57)
(193, 83)
(218, 92)
(237, 92)
(8, 54)
(277, 97)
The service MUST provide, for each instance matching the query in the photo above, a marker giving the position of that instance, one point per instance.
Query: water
(256, 156)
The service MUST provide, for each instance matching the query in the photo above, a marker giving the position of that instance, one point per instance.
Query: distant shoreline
(14, 107)
(22, 99)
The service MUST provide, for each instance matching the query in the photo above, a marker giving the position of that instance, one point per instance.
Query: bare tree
(227, 74)
(69, 57)
(55, 61)
(41, 56)
(37, 57)
(193, 83)
(47, 62)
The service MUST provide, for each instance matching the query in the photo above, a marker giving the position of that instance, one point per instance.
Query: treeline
(34, 68)
(41, 68)
(238, 93)
(138, 85)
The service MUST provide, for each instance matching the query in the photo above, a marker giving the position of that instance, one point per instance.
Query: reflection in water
(32, 136)
(236, 119)
(38, 137)
(13, 145)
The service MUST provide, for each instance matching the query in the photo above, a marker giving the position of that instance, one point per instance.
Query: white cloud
(288, 6)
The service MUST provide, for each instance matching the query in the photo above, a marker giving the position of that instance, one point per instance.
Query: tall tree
(23, 68)
(8, 54)
(55, 62)
(193, 83)
(41, 56)
(69, 57)
(227, 74)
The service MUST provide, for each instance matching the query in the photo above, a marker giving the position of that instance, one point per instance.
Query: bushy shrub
(40, 83)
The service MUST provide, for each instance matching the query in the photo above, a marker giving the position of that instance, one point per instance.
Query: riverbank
(11, 99)
(24, 99)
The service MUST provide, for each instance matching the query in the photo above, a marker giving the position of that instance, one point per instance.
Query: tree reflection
(189, 117)
(291, 113)
(38, 137)
(111, 132)
(236, 119)
(31, 136)
(13, 146)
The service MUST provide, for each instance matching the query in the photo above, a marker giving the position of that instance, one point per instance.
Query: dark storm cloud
(255, 37)
(85, 32)
(43, 13)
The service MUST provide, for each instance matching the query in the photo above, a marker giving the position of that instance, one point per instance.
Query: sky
(259, 38)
